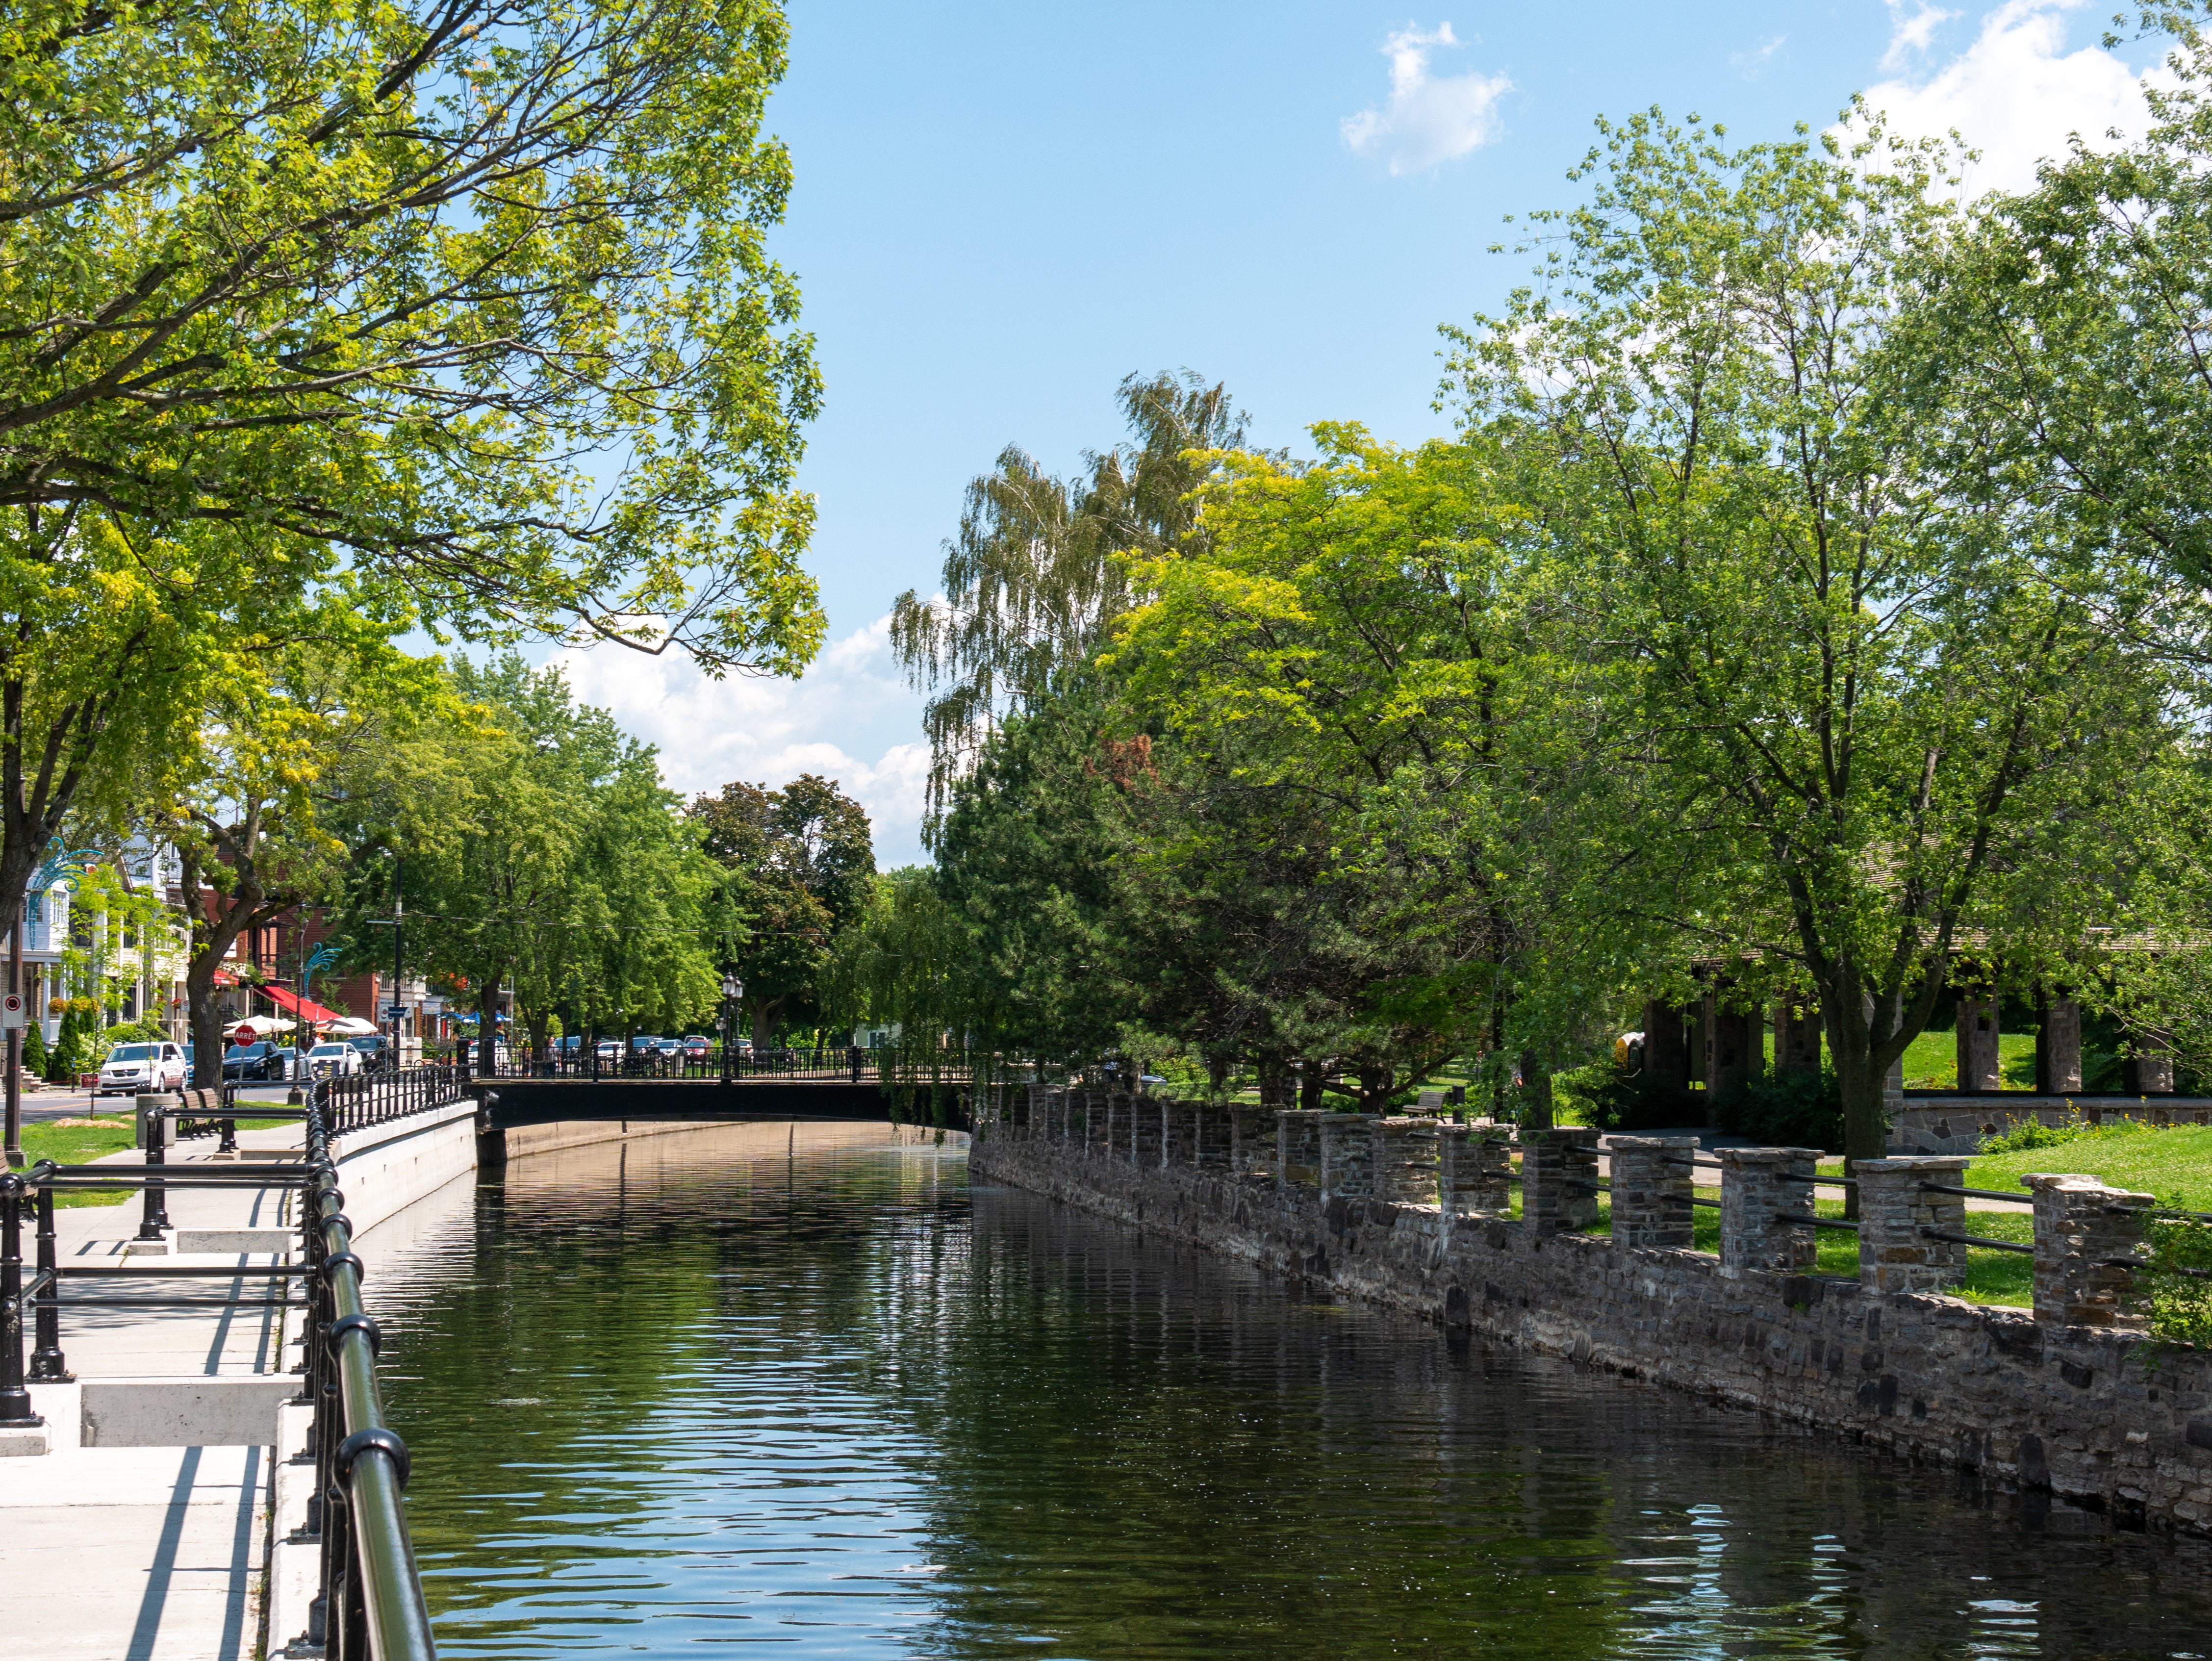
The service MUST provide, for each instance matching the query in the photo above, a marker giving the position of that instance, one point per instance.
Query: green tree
(478, 296)
(261, 807)
(1035, 578)
(1860, 722)
(564, 869)
(800, 865)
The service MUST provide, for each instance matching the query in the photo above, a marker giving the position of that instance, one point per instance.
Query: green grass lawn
(79, 1145)
(82, 1144)
(2175, 1166)
(1992, 1277)
(1931, 1060)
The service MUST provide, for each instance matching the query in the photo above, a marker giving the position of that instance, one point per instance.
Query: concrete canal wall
(2066, 1399)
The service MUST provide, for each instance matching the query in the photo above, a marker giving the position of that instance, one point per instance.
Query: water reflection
(733, 1389)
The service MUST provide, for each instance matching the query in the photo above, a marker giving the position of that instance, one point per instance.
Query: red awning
(305, 1008)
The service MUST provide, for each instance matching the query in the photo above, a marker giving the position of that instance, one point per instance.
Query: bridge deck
(545, 1101)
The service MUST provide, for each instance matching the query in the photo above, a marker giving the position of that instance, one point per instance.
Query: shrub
(34, 1051)
(1786, 1109)
(2034, 1134)
(2179, 1281)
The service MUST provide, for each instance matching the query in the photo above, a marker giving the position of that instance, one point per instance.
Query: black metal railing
(371, 1601)
(845, 1065)
(356, 1100)
(369, 1604)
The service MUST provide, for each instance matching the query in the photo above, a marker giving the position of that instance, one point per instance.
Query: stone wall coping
(2062, 1181)
(1915, 1162)
(1643, 1142)
(1564, 1133)
(1776, 1155)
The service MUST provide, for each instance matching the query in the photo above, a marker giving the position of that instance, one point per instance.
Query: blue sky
(1000, 211)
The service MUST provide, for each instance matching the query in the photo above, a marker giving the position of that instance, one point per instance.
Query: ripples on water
(723, 1391)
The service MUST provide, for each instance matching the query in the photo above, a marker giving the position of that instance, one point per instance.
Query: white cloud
(852, 705)
(2015, 94)
(1755, 63)
(1429, 120)
(1910, 36)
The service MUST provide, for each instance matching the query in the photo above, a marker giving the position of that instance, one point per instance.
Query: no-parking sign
(11, 1010)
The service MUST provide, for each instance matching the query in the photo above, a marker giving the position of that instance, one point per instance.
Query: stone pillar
(1251, 1138)
(1978, 1068)
(1559, 1177)
(1347, 1156)
(1895, 1255)
(1796, 1036)
(1757, 1197)
(1651, 1181)
(2081, 1227)
(1146, 1153)
(1096, 1145)
(1214, 1142)
(1023, 1107)
(1667, 1043)
(2149, 1070)
(1121, 1129)
(1298, 1146)
(1174, 1139)
(1407, 1157)
(2059, 1044)
(1055, 1116)
(1475, 1175)
(1734, 1053)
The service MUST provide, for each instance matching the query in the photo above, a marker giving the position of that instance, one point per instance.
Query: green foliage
(1794, 1108)
(2033, 1133)
(799, 865)
(1604, 1096)
(541, 848)
(492, 312)
(36, 1061)
(2178, 1281)
(1035, 579)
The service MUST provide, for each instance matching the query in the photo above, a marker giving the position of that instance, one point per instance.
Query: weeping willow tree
(910, 964)
(1031, 584)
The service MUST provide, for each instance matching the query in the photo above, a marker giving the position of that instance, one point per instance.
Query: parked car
(334, 1061)
(610, 1050)
(132, 1068)
(254, 1063)
(375, 1050)
(698, 1048)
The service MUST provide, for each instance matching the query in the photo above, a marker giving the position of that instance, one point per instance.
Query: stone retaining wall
(1956, 1124)
(2087, 1412)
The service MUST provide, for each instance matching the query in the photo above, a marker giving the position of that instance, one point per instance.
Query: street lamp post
(732, 989)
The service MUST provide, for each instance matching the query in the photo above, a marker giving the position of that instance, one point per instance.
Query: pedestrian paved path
(146, 1554)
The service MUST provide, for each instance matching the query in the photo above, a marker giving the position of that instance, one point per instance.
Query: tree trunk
(203, 1010)
(763, 1012)
(1535, 1093)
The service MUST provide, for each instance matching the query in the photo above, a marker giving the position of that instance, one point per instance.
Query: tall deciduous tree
(474, 291)
(1035, 578)
(1869, 722)
(801, 866)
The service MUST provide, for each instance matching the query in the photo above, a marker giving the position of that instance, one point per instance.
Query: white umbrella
(262, 1025)
(349, 1026)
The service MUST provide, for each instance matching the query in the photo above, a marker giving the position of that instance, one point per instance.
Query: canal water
(741, 1392)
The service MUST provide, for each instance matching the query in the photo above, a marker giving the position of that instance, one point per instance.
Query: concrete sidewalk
(142, 1552)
